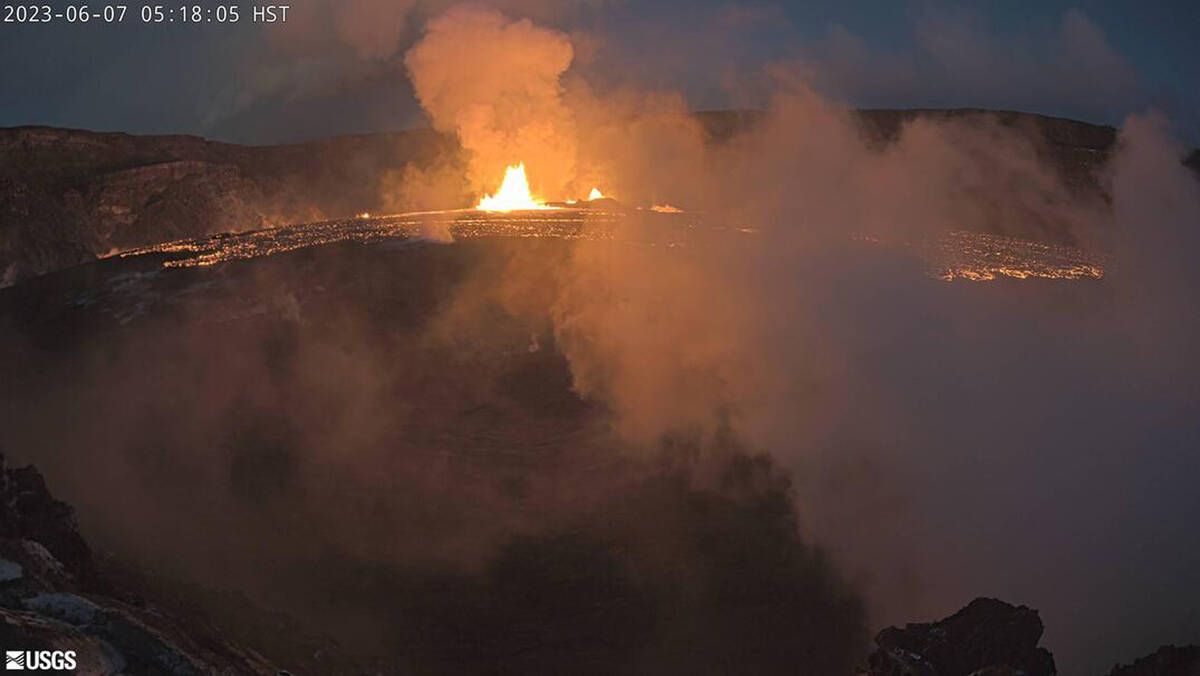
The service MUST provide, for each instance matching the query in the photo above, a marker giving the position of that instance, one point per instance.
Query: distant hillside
(67, 196)
(1076, 149)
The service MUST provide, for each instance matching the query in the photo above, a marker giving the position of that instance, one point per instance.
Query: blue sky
(337, 67)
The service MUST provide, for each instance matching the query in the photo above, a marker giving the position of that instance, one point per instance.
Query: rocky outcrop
(992, 638)
(51, 598)
(1166, 661)
(987, 638)
(38, 530)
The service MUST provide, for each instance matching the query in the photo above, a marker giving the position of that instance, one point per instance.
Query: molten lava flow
(513, 194)
(595, 194)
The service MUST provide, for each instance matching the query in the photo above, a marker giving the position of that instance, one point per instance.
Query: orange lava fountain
(513, 195)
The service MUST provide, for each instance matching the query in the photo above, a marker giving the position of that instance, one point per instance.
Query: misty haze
(597, 337)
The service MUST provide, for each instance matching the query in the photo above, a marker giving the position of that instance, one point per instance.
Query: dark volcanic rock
(52, 599)
(1166, 661)
(28, 512)
(987, 637)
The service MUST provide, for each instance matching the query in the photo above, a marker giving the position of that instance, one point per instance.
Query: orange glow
(595, 194)
(513, 195)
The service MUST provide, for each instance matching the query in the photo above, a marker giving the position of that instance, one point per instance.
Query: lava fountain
(513, 195)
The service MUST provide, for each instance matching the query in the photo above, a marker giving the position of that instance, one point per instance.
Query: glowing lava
(595, 194)
(513, 194)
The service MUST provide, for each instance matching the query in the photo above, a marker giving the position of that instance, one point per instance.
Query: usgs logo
(38, 660)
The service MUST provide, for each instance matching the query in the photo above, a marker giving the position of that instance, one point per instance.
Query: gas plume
(494, 83)
(898, 401)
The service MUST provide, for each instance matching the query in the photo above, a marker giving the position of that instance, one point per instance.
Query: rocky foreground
(55, 595)
(53, 598)
(992, 638)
